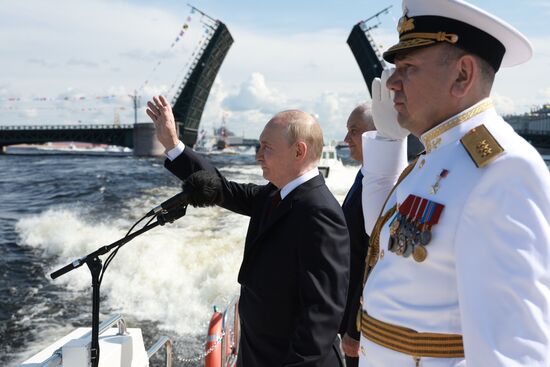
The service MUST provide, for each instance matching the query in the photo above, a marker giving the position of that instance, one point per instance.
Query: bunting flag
(184, 28)
(62, 108)
(53, 99)
(185, 68)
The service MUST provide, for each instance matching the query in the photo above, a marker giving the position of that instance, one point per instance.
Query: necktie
(356, 185)
(274, 201)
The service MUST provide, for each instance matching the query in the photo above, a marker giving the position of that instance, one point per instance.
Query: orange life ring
(214, 358)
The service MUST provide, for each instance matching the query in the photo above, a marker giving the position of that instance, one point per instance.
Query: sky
(78, 61)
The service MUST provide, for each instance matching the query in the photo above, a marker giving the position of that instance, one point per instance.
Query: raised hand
(160, 111)
(383, 112)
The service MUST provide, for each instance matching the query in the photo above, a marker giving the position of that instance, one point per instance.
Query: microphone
(200, 189)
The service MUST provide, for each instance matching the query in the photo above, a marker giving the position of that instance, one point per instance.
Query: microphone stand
(95, 265)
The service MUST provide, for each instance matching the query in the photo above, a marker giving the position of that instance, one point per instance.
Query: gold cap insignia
(405, 24)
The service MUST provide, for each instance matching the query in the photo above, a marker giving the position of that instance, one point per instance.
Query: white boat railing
(163, 341)
(106, 325)
(56, 358)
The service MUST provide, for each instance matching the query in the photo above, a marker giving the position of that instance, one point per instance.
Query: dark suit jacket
(359, 240)
(294, 274)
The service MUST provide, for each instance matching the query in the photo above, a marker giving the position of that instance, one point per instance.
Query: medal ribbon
(414, 206)
(431, 214)
(405, 208)
(420, 210)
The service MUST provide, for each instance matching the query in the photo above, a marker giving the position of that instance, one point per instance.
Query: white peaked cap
(473, 29)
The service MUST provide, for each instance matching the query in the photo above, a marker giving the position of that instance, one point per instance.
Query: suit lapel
(282, 210)
(276, 214)
(266, 226)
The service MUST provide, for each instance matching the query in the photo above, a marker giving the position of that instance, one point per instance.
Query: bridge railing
(64, 127)
(532, 132)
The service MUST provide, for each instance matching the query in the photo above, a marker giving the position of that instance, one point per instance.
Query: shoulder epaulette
(481, 145)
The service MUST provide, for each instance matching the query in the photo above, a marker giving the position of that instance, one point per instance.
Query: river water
(56, 208)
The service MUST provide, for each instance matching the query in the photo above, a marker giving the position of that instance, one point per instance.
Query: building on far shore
(534, 126)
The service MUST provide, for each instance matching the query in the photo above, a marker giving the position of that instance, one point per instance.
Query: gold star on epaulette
(481, 146)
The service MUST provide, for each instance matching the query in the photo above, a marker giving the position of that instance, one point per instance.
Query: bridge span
(140, 137)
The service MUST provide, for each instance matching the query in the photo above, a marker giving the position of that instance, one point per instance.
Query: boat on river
(330, 163)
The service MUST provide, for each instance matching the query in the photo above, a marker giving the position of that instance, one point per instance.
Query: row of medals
(407, 238)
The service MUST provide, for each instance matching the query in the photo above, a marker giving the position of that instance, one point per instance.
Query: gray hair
(363, 113)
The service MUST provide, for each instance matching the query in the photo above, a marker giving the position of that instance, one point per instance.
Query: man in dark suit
(294, 274)
(359, 121)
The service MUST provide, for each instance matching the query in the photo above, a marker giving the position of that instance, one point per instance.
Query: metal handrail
(230, 309)
(163, 341)
(226, 312)
(56, 358)
(106, 325)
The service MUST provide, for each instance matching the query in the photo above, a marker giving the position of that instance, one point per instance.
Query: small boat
(329, 161)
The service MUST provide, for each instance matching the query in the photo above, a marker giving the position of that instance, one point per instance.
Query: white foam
(340, 180)
(173, 274)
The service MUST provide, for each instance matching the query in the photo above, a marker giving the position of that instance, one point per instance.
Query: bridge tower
(366, 53)
(371, 64)
(190, 99)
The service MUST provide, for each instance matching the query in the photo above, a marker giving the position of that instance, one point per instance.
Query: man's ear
(466, 74)
(301, 150)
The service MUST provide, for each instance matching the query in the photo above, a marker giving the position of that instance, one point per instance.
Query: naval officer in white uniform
(459, 262)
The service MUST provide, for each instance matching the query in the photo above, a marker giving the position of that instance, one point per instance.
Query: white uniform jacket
(487, 271)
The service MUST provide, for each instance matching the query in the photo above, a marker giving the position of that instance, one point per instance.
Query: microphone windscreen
(203, 188)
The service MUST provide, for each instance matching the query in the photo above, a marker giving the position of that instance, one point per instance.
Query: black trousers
(334, 359)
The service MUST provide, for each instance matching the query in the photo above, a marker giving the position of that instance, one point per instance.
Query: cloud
(300, 65)
(504, 105)
(248, 123)
(332, 110)
(526, 85)
(4, 89)
(129, 35)
(214, 110)
(145, 55)
(82, 62)
(29, 113)
(247, 109)
(311, 65)
(42, 62)
(254, 94)
(545, 94)
(327, 107)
